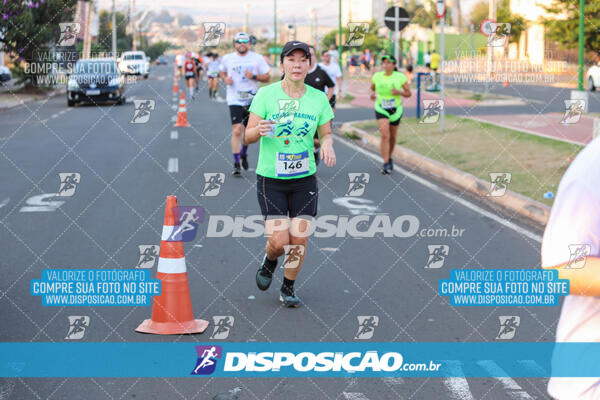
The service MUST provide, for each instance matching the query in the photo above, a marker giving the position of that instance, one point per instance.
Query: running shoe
(391, 164)
(263, 276)
(289, 301)
(386, 169)
(236, 169)
(244, 159)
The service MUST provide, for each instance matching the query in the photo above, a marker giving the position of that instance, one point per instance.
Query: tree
(30, 28)
(105, 31)
(371, 41)
(480, 11)
(156, 49)
(566, 31)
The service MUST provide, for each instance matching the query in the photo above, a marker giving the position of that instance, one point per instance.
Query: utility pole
(490, 49)
(340, 33)
(246, 7)
(133, 28)
(580, 74)
(275, 33)
(114, 30)
(87, 36)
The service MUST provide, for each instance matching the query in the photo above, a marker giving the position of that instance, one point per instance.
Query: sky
(260, 11)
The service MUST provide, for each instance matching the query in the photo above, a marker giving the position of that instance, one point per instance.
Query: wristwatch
(254, 76)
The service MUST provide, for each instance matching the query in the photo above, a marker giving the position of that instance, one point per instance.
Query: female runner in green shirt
(387, 89)
(285, 116)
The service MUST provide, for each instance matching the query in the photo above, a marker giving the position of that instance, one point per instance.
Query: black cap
(289, 47)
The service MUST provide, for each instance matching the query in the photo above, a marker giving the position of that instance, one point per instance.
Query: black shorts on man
(239, 114)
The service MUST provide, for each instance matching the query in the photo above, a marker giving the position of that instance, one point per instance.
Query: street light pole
(340, 34)
(114, 30)
(275, 31)
(580, 77)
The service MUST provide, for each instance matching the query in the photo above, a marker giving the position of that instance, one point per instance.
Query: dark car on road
(161, 60)
(95, 80)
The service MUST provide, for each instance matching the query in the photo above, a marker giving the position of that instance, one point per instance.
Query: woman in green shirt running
(285, 116)
(387, 89)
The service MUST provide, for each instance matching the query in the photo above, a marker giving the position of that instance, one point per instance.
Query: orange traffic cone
(172, 311)
(505, 83)
(182, 121)
(175, 85)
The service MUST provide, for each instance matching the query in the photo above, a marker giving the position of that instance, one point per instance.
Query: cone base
(181, 126)
(173, 328)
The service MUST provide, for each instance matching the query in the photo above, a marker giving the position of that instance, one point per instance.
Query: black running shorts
(287, 197)
(379, 115)
(239, 114)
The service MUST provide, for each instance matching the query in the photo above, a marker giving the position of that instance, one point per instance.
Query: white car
(593, 77)
(134, 63)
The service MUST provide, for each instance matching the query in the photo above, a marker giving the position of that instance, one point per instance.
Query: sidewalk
(546, 125)
(9, 98)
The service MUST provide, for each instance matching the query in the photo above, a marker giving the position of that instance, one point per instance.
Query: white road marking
(458, 386)
(449, 195)
(174, 107)
(197, 245)
(38, 203)
(4, 202)
(332, 249)
(532, 366)
(509, 383)
(354, 396)
(393, 381)
(174, 118)
(54, 116)
(173, 165)
(174, 135)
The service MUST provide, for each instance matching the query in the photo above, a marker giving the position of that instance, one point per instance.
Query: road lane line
(354, 396)
(458, 386)
(449, 195)
(515, 391)
(4, 202)
(173, 166)
(174, 135)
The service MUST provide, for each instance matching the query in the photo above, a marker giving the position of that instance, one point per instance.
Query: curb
(23, 102)
(511, 201)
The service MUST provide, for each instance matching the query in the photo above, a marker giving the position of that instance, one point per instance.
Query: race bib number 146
(291, 164)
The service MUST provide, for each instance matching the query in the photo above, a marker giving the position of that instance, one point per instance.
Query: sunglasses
(241, 41)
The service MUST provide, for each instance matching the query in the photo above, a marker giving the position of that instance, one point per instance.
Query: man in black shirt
(318, 78)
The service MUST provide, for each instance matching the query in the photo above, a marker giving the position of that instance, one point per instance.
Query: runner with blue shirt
(284, 117)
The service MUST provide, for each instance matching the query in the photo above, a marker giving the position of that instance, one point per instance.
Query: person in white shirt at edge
(241, 71)
(575, 220)
(335, 73)
(179, 62)
(335, 55)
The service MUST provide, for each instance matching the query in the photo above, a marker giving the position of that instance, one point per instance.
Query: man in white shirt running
(241, 71)
(571, 244)
(335, 73)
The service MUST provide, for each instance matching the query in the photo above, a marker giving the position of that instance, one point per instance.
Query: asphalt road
(119, 205)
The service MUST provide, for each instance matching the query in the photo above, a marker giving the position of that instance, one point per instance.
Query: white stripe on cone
(166, 232)
(171, 265)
